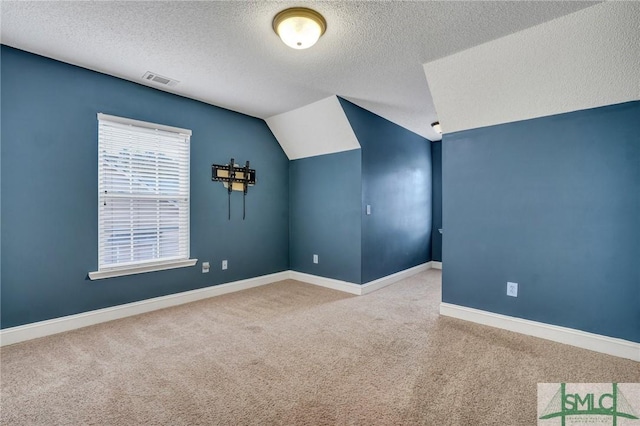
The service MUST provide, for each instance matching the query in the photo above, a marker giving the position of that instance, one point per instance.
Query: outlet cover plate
(512, 289)
(224, 265)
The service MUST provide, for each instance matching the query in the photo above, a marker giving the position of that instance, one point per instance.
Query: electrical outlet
(368, 209)
(224, 265)
(205, 267)
(315, 258)
(512, 289)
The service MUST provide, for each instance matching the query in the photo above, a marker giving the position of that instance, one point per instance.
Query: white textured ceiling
(225, 52)
(584, 60)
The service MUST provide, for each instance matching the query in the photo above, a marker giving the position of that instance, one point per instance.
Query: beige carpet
(295, 354)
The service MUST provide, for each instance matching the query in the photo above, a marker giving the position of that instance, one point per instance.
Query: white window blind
(143, 193)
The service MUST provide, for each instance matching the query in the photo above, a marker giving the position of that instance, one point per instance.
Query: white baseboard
(345, 286)
(393, 278)
(21, 333)
(35, 330)
(582, 339)
(358, 289)
(436, 264)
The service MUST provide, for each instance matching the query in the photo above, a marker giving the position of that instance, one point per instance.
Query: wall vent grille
(159, 79)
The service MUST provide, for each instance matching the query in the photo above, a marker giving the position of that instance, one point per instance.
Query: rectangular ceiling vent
(158, 79)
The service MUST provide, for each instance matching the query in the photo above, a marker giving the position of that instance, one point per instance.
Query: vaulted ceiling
(225, 52)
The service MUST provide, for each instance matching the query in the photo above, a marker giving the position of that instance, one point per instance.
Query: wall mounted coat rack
(234, 178)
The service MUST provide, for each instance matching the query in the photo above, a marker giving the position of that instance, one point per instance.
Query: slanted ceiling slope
(583, 60)
(315, 129)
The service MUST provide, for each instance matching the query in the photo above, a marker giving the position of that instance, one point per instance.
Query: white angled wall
(587, 59)
(315, 129)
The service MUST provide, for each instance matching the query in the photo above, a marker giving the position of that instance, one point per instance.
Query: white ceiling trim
(315, 129)
(583, 60)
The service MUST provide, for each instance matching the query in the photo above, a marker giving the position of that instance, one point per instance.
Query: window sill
(98, 275)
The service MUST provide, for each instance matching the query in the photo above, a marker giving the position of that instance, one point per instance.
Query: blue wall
(325, 215)
(436, 198)
(49, 190)
(396, 182)
(554, 205)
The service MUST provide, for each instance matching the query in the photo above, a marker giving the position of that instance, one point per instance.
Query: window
(143, 197)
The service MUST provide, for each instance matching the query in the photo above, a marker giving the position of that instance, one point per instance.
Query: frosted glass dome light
(299, 27)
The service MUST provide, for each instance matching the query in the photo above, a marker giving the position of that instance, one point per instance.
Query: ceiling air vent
(158, 79)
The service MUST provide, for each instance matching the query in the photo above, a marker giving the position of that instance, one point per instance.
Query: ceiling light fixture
(436, 127)
(299, 27)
